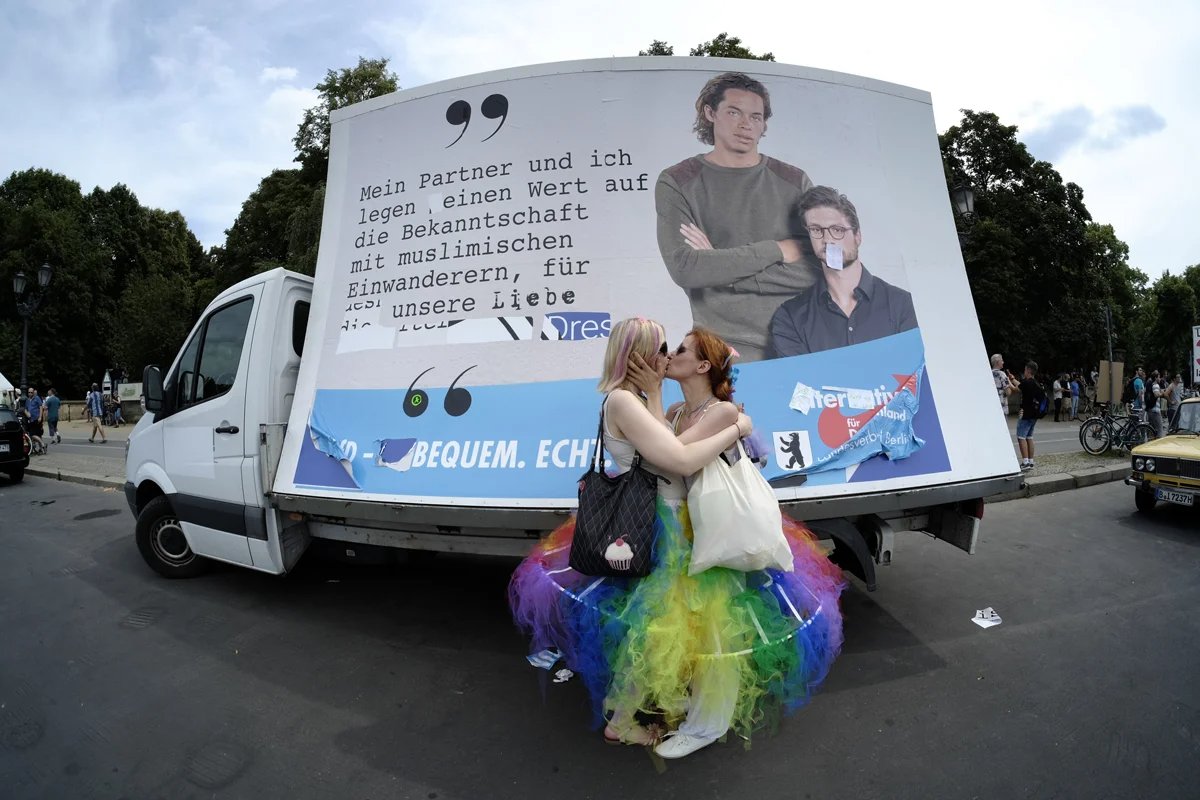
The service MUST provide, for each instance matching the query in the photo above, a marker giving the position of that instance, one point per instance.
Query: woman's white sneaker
(678, 745)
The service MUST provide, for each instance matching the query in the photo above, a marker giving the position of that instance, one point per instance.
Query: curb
(75, 477)
(1064, 481)
(1032, 487)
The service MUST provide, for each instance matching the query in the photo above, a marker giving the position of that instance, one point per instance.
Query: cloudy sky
(191, 103)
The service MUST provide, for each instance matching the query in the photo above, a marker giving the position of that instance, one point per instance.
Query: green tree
(1192, 276)
(155, 313)
(259, 237)
(1040, 270)
(304, 233)
(721, 46)
(44, 219)
(369, 78)
(1124, 288)
(279, 224)
(658, 48)
(122, 286)
(1169, 320)
(726, 46)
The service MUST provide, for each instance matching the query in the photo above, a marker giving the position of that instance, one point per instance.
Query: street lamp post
(963, 197)
(26, 307)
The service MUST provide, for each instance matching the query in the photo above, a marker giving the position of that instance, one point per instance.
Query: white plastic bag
(736, 520)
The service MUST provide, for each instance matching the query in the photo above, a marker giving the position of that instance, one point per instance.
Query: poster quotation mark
(415, 400)
(458, 399)
(494, 106)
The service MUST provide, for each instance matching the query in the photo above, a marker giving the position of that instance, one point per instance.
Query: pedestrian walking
(53, 402)
(1076, 389)
(96, 409)
(1058, 395)
(1033, 407)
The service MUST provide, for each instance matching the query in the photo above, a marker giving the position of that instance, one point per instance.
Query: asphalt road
(409, 681)
(1049, 436)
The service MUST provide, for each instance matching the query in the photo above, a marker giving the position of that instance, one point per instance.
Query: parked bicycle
(1086, 405)
(1099, 434)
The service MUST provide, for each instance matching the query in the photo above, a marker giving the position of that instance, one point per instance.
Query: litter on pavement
(986, 618)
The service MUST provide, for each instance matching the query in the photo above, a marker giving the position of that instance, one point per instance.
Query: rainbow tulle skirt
(640, 645)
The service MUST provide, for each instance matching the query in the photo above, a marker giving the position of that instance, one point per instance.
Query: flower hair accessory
(733, 376)
(732, 355)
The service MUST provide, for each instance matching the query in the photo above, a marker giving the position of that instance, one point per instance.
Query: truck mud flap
(957, 523)
(850, 551)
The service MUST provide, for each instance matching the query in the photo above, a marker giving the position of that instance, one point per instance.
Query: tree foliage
(279, 224)
(156, 313)
(341, 88)
(658, 48)
(1041, 271)
(1172, 308)
(259, 238)
(721, 46)
(726, 46)
(121, 288)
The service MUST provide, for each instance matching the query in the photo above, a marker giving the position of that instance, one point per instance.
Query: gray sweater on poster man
(736, 287)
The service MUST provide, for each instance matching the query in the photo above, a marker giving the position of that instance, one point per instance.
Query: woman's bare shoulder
(622, 398)
(724, 410)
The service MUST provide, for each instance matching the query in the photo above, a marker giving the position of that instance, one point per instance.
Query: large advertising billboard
(482, 235)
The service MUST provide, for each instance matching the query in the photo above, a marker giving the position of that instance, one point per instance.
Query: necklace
(693, 412)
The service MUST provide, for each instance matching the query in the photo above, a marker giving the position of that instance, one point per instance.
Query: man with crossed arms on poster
(847, 305)
(726, 218)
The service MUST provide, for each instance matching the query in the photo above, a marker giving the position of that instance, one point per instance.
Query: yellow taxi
(1168, 469)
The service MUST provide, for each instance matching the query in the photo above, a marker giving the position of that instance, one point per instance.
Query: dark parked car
(13, 458)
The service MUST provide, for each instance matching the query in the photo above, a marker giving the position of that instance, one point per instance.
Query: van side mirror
(152, 388)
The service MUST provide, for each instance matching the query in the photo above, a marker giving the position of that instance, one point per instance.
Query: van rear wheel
(162, 544)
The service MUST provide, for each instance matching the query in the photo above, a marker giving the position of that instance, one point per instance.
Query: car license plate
(3, 447)
(1181, 498)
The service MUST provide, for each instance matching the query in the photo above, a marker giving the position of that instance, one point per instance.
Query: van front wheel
(162, 544)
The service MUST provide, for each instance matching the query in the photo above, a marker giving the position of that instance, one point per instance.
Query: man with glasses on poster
(848, 304)
(727, 228)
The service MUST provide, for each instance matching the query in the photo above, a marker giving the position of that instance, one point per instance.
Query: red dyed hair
(714, 350)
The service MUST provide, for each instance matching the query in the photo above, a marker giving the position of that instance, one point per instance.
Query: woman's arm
(658, 445)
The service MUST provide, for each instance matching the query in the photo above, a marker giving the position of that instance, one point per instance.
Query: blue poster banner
(864, 412)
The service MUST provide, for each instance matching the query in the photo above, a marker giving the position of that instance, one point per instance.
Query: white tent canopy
(5, 384)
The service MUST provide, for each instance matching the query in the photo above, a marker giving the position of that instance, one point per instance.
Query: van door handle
(227, 429)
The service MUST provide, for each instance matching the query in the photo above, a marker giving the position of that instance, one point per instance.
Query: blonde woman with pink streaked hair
(699, 655)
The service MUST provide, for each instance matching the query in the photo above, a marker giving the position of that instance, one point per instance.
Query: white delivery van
(433, 388)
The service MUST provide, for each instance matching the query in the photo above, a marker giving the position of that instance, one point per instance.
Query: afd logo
(571, 326)
(810, 398)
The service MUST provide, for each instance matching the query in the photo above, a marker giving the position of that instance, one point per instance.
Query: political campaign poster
(481, 236)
